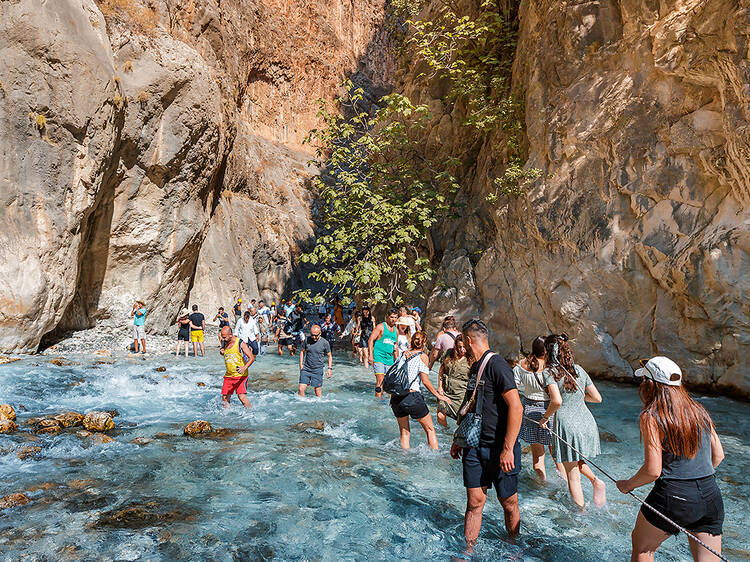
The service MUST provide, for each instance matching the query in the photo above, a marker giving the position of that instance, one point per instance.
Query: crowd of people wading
(541, 400)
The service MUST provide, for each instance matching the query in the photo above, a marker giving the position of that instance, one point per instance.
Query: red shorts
(234, 384)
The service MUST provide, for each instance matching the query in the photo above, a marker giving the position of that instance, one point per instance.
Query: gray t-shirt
(315, 354)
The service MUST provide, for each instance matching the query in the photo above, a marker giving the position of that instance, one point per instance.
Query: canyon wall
(154, 150)
(635, 239)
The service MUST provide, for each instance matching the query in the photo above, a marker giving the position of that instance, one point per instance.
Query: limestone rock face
(635, 240)
(130, 128)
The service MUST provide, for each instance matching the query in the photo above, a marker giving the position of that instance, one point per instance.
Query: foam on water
(273, 490)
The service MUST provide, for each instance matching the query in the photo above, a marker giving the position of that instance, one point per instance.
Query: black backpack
(396, 380)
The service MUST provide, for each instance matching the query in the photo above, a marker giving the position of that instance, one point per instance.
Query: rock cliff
(635, 239)
(153, 150)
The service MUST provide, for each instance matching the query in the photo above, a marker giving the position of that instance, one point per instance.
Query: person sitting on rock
(235, 353)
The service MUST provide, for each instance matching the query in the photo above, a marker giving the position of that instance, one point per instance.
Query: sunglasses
(474, 322)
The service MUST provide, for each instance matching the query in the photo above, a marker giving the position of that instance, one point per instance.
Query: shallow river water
(273, 491)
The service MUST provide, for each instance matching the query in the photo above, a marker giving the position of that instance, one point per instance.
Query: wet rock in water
(8, 426)
(83, 434)
(42, 486)
(28, 451)
(7, 412)
(69, 419)
(13, 500)
(304, 426)
(98, 421)
(160, 369)
(5, 359)
(197, 427)
(201, 384)
(141, 441)
(223, 433)
(113, 413)
(34, 421)
(163, 435)
(76, 383)
(147, 514)
(101, 439)
(47, 425)
(62, 362)
(608, 437)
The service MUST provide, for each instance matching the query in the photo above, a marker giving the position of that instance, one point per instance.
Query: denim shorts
(482, 468)
(695, 504)
(315, 380)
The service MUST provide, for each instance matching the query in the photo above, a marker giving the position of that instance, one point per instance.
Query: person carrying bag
(470, 422)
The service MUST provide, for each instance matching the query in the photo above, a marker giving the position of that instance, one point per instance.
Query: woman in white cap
(183, 331)
(682, 451)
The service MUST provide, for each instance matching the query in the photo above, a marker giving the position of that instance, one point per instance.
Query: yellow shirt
(233, 359)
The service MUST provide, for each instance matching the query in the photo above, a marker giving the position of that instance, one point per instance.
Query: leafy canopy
(380, 196)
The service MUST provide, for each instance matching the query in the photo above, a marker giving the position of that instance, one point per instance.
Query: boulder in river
(113, 413)
(47, 425)
(160, 369)
(13, 500)
(101, 439)
(28, 451)
(8, 426)
(5, 359)
(197, 427)
(201, 384)
(141, 441)
(304, 426)
(83, 434)
(7, 412)
(69, 419)
(98, 421)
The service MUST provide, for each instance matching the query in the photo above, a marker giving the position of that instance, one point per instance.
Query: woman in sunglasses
(682, 451)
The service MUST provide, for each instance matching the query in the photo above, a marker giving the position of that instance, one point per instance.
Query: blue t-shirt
(139, 316)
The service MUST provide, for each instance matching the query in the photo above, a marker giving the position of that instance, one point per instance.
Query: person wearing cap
(237, 308)
(183, 330)
(569, 388)
(405, 318)
(416, 314)
(138, 314)
(403, 340)
(682, 451)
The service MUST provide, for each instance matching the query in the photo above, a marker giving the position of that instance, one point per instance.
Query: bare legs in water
(426, 423)
(574, 470)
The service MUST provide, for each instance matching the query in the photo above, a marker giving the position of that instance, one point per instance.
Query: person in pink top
(445, 339)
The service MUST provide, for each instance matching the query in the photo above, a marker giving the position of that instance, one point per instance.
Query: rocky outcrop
(635, 239)
(126, 126)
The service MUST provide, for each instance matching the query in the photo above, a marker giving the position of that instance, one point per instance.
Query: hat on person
(419, 310)
(239, 300)
(661, 369)
(184, 312)
(405, 321)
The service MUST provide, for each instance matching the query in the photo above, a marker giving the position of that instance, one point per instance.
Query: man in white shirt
(247, 331)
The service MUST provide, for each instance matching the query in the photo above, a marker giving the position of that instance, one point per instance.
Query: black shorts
(286, 341)
(482, 468)
(695, 504)
(412, 404)
(364, 341)
(254, 347)
(183, 336)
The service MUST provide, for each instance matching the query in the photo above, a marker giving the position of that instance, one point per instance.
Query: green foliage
(476, 53)
(380, 197)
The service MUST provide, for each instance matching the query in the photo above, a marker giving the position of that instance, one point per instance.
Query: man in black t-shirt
(197, 326)
(497, 460)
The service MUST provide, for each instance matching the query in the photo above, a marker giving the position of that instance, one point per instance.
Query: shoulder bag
(470, 423)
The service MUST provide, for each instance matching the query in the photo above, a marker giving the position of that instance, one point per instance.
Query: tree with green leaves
(380, 196)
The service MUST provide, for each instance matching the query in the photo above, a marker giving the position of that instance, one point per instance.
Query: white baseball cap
(661, 369)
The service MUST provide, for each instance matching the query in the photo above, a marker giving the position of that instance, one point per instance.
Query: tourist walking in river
(183, 331)
(313, 354)
(445, 340)
(381, 343)
(569, 388)
(247, 330)
(530, 382)
(402, 339)
(282, 337)
(365, 327)
(237, 308)
(405, 317)
(237, 359)
(682, 451)
(496, 461)
(452, 381)
(412, 405)
(138, 314)
(197, 327)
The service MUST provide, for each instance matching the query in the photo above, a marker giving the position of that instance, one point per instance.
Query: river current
(273, 489)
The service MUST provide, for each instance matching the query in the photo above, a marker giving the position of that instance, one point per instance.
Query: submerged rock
(141, 441)
(7, 412)
(304, 426)
(98, 421)
(83, 434)
(69, 419)
(13, 500)
(63, 362)
(146, 514)
(8, 426)
(101, 439)
(608, 437)
(28, 451)
(47, 425)
(197, 427)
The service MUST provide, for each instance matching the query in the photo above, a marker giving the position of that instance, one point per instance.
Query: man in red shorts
(234, 351)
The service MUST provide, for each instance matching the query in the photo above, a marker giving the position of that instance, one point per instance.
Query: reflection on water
(281, 487)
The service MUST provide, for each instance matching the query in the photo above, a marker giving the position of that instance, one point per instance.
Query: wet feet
(600, 493)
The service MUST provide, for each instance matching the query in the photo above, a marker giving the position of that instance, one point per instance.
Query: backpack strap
(453, 336)
(467, 406)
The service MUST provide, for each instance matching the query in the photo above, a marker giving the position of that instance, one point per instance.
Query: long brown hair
(450, 356)
(560, 360)
(538, 351)
(679, 419)
(418, 340)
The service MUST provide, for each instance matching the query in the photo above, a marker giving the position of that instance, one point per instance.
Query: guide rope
(667, 519)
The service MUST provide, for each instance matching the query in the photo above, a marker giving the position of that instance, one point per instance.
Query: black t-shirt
(498, 378)
(295, 323)
(197, 319)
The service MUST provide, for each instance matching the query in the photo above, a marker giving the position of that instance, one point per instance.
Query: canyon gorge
(154, 149)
